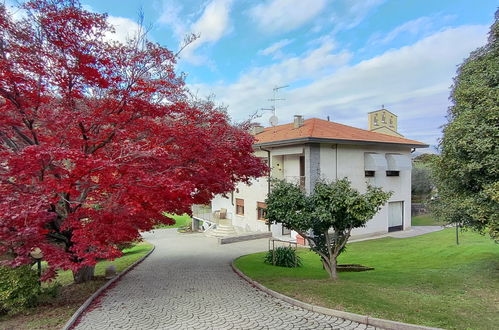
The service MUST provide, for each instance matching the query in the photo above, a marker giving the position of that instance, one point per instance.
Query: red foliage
(98, 138)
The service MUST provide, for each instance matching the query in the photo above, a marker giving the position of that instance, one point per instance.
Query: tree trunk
(330, 266)
(84, 274)
(333, 275)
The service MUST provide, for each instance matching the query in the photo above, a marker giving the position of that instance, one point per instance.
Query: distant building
(383, 121)
(307, 150)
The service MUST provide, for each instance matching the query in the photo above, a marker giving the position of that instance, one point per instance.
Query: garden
(426, 280)
(26, 305)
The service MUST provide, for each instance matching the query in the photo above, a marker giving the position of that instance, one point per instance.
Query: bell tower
(383, 121)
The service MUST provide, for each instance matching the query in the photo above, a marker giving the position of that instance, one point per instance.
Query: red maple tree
(98, 138)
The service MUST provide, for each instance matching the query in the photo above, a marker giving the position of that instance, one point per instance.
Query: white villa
(307, 150)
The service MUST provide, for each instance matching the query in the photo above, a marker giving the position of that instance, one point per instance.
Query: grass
(425, 280)
(426, 220)
(54, 312)
(180, 221)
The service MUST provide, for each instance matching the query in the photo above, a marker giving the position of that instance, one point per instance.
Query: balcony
(204, 213)
(297, 180)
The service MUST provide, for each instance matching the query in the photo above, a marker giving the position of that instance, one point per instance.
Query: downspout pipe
(268, 160)
(268, 181)
(336, 159)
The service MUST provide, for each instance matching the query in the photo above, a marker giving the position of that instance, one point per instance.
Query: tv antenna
(273, 119)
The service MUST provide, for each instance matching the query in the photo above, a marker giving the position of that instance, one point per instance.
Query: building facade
(306, 151)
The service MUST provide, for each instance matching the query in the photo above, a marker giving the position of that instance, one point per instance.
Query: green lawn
(425, 280)
(54, 312)
(426, 220)
(180, 221)
(129, 257)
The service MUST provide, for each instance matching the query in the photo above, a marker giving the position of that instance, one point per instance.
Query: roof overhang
(334, 141)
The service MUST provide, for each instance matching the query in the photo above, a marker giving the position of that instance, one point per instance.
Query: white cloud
(311, 65)
(275, 48)
(349, 13)
(285, 15)
(254, 87)
(124, 28)
(419, 26)
(412, 27)
(170, 16)
(213, 24)
(412, 81)
(13, 9)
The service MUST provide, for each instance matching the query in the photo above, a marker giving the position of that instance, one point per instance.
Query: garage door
(395, 216)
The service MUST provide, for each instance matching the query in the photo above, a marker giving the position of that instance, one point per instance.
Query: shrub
(187, 228)
(19, 289)
(49, 293)
(283, 256)
(126, 245)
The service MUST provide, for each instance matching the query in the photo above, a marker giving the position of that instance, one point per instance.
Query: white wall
(351, 165)
(256, 192)
(336, 161)
(328, 161)
(251, 194)
(291, 166)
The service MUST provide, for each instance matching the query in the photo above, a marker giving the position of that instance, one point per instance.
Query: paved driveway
(187, 283)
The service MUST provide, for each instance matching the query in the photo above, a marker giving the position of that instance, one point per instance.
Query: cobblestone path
(187, 283)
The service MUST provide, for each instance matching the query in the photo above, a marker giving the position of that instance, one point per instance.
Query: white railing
(204, 213)
(297, 180)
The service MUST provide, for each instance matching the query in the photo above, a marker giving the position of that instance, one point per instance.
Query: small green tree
(326, 217)
(421, 182)
(467, 173)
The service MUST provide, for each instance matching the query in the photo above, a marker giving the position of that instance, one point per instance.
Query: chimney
(254, 130)
(299, 121)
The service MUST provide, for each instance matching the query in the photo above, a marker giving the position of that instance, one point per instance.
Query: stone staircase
(224, 229)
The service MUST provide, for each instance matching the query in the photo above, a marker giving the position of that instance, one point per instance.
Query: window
(369, 173)
(239, 206)
(392, 173)
(261, 209)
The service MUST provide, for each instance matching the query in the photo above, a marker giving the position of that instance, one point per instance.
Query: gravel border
(365, 319)
(72, 321)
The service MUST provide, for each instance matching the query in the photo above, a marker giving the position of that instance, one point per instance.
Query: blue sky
(340, 58)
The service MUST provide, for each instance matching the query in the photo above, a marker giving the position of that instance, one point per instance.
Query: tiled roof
(317, 129)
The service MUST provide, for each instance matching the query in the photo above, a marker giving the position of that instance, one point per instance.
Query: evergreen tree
(468, 170)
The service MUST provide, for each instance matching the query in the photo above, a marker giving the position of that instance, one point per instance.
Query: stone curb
(72, 321)
(365, 319)
(242, 238)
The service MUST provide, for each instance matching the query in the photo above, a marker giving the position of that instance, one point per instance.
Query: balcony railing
(297, 180)
(204, 213)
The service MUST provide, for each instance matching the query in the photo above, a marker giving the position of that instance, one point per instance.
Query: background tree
(332, 206)
(422, 182)
(467, 172)
(98, 138)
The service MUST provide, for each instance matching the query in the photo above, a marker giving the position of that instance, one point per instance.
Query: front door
(395, 216)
